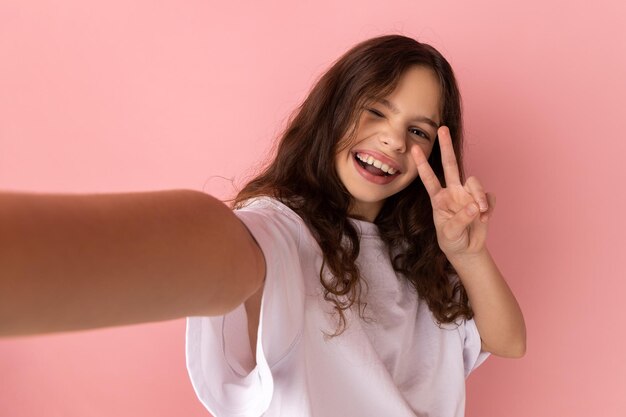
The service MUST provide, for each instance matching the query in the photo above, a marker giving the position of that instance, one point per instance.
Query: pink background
(146, 95)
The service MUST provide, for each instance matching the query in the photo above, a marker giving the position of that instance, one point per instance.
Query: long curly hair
(302, 175)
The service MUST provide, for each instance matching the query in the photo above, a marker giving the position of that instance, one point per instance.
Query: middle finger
(448, 159)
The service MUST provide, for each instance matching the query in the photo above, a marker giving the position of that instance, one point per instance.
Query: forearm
(70, 262)
(497, 314)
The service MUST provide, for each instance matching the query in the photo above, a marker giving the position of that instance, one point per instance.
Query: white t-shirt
(398, 364)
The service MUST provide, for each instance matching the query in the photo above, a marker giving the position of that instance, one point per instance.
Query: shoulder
(270, 217)
(266, 204)
(270, 208)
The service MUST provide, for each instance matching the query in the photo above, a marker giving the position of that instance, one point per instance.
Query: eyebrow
(394, 109)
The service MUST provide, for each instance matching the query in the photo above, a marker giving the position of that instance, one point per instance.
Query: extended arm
(78, 261)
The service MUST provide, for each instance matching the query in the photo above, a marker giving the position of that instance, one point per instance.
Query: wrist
(465, 260)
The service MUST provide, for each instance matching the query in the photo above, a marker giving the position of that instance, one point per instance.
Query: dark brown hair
(303, 176)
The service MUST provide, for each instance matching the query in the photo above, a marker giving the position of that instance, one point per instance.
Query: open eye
(420, 133)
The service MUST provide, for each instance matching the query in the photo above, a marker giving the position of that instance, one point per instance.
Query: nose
(393, 140)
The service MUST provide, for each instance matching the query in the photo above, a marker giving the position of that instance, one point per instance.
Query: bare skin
(462, 237)
(461, 214)
(72, 262)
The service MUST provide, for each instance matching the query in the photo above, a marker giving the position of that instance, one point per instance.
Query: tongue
(376, 171)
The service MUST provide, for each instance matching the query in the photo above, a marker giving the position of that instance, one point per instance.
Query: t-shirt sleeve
(219, 360)
(473, 356)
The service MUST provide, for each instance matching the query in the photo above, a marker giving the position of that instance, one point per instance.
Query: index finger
(426, 173)
(448, 158)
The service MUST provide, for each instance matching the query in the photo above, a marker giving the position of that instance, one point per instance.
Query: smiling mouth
(373, 169)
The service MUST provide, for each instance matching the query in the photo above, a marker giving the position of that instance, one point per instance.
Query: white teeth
(368, 159)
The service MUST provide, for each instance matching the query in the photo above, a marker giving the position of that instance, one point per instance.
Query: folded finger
(456, 226)
(484, 217)
(475, 188)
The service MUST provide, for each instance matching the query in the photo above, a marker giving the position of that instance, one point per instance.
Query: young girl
(352, 278)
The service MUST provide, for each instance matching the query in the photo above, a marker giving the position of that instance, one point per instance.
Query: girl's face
(378, 162)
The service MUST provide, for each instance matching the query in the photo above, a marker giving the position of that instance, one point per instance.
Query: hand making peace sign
(460, 211)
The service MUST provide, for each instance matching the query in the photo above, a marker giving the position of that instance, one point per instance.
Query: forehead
(418, 92)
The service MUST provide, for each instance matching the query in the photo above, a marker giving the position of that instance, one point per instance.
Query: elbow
(521, 348)
(513, 349)
(518, 348)
(517, 351)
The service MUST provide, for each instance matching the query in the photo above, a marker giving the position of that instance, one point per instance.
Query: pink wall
(139, 95)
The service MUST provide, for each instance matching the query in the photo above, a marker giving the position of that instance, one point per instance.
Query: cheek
(428, 149)
(413, 173)
(347, 140)
(342, 156)
(341, 163)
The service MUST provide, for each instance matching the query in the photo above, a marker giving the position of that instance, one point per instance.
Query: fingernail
(472, 209)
